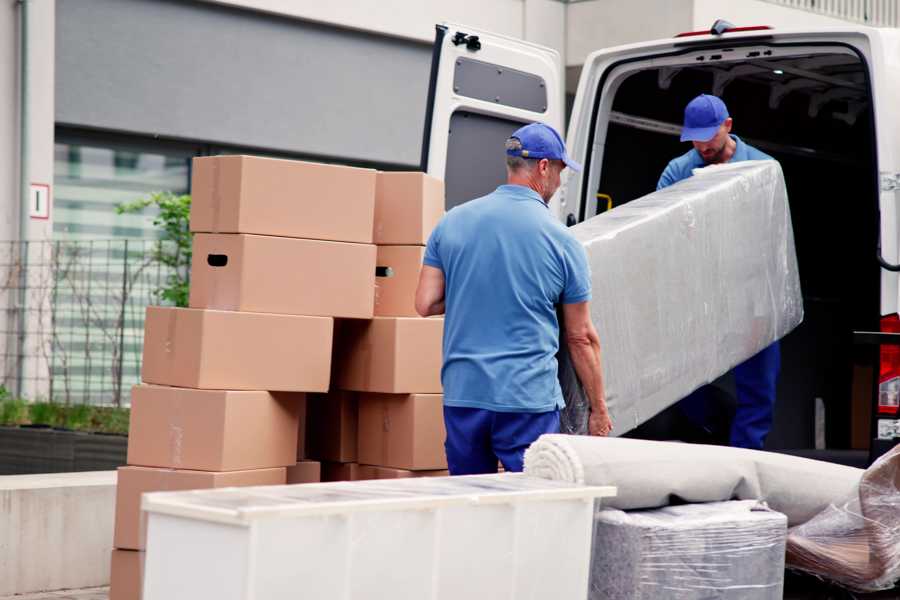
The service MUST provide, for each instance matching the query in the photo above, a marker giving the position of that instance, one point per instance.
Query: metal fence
(71, 320)
(877, 13)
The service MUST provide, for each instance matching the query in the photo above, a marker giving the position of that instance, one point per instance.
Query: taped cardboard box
(266, 274)
(224, 350)
(407, 207)
(213, 430)
(397, 275)
(394, 355)
(332, 426)
(688, 282)
(332, 471)
(375, 472)
(130, 528)
(305, 471)
(126, 574)
(402, 431)
(268, 196)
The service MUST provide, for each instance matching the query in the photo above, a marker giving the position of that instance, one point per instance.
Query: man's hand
(600, 424)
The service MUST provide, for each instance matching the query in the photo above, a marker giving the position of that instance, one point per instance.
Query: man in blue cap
(498, 266)
(708, 126)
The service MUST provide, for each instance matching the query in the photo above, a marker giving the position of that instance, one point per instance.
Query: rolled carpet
(653, 474)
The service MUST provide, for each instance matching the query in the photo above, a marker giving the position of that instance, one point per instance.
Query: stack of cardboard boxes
(301, 340)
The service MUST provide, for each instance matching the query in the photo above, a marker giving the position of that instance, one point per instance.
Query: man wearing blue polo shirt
(708, 126)
(498, 266)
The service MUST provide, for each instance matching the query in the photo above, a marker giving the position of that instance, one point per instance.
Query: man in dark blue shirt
(499, 265)
(708, 126)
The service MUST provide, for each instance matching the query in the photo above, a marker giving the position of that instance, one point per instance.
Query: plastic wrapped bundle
(856, 543)
(655, 474)
(688, 282)
(728, 550)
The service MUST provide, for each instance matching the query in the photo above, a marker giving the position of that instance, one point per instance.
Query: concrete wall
(56, 531)
(754, 12)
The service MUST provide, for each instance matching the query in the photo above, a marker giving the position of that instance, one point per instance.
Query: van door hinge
(890, 181)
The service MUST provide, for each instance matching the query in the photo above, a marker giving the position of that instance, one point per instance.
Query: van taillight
(730, 30)
(889, 370)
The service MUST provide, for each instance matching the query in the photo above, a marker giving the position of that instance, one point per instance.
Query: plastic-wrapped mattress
(688, 282)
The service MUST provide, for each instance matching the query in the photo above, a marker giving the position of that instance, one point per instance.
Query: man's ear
(727, 124)
(544, 166)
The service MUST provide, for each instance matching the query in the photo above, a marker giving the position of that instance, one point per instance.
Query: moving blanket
(724, 550)
(653, 474)
(688, 282)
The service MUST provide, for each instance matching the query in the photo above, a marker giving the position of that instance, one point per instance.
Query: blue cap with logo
(702, 118)
(542, 141)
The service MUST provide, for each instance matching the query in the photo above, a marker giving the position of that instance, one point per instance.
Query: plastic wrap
(654, 474)
(688, 282)
(732, 550)
(856, 543)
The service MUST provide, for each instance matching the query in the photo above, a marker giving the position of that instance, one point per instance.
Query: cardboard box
(134, 481)
(213, 430)
(402, 431)
(407, 207)
(211, 349)
(397, 275)
(126, 574)
(305, 471)
(399, 355)
(257, 273)
(332, 471)
(374, 472)
(332, 426)
(301, 427)
(267, 196)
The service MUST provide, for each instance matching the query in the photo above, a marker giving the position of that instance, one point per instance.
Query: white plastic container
(448, 538)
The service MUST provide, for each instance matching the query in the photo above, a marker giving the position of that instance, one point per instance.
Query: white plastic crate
(448, 538)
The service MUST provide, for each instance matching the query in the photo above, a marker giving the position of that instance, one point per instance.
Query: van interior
(813, 113)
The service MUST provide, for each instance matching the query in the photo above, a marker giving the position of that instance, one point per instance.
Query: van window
(813, 113)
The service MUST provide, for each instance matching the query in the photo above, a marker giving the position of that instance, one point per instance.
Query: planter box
(25, 450)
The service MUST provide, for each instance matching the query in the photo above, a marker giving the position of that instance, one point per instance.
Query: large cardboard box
(305, 471)
(247, 194)
(266, 274)
(402, 431)
(126, 574)
(397, 273)
(134, 481)
(399, 355)
(374, 472)
(213, 430)
(224, 350)
(332, 471)
(332, 426)
(407, 207)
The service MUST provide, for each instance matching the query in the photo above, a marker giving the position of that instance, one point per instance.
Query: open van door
(483, 87)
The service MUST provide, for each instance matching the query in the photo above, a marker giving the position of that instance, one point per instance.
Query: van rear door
(483, 87)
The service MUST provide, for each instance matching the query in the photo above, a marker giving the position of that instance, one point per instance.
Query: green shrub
(43, 413)
(13, 411)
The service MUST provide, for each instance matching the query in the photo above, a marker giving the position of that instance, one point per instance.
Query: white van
(824, 103)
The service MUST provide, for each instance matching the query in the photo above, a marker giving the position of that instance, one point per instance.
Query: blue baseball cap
(702, 118)
(539, 140)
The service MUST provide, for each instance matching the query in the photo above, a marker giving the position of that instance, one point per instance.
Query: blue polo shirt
(683, 166)
(507, 262)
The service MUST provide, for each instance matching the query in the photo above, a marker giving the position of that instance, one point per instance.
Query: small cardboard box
(402, 431)
(213, 430)
(397, 275)
(212, 349)
(332, 426)
(395, 355)
(126, 574)
(407, 207)
(265, 274)
(305, 471)
(268, 196)
(130, 526)
(374, 472)
(332, 471)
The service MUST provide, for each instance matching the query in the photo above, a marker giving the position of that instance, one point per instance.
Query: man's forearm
(586, 359)
(436, 309)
